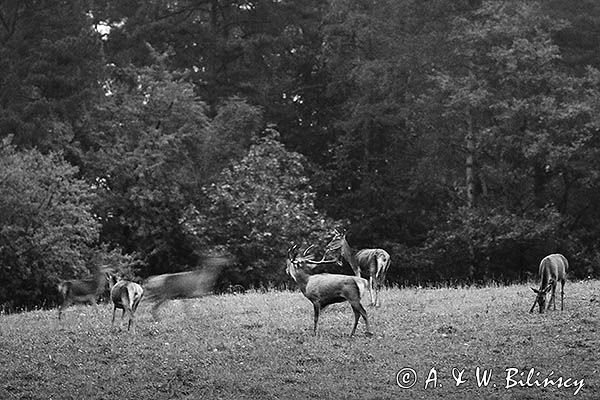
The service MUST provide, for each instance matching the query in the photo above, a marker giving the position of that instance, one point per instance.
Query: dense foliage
(461, 136)
(47, 230)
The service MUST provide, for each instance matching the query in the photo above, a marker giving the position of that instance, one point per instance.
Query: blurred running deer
(325, 289)
(125, 295)
(553, 268)
(82, 290)
(184, 285)
(376, 261)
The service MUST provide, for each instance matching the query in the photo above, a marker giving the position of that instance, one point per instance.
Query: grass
(260, 346)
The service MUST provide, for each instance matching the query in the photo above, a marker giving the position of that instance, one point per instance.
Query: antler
(307, 249)
(291, 250)
(325, 254)
(322, 260)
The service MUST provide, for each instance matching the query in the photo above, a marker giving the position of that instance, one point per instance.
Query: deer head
(336, 242)
(540, 299)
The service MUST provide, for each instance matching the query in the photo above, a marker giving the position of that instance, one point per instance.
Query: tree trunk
(469, 173)
(470, 182)
(213, 59)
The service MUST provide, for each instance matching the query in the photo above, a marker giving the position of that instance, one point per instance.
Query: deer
(553, 268)
(375, 261)
(125, 295)
(325, 289)
(82, 290)
(183, 285)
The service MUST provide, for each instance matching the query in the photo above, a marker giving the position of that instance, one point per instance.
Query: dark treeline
(462, 136)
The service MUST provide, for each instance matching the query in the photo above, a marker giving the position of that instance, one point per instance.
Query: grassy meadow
(260, 346)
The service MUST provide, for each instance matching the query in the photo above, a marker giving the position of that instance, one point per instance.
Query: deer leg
(130, 316)
(113, 317)
(377, 292)
(549, 290)
(94, 305)
(372, 289)
(317, 308)
(61, 308)
(562, 294)
(136, 303)
(363, 312)
(379, 277)
(124, 304)
(356, 318)
(186, 308)
(155, 308)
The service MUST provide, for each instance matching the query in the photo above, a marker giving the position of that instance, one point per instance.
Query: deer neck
(547, 277)
(348, 253)
(300, 276)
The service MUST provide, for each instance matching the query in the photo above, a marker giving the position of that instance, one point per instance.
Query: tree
(51, 64)
(526, 122)
(577, 41)
(259, 207)
(266, 52)
(228, 47)
(48, 230)
(377, 55)
(155, 148)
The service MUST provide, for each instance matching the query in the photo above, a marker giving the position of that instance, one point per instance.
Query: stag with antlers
(325, 289)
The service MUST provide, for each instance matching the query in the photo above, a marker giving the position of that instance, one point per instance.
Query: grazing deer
(376, 261)
(184, 285)
(125, 295)
(553, 268)
(82, 290)
(325, 289)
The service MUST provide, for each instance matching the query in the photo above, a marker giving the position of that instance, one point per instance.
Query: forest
(461, 136)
